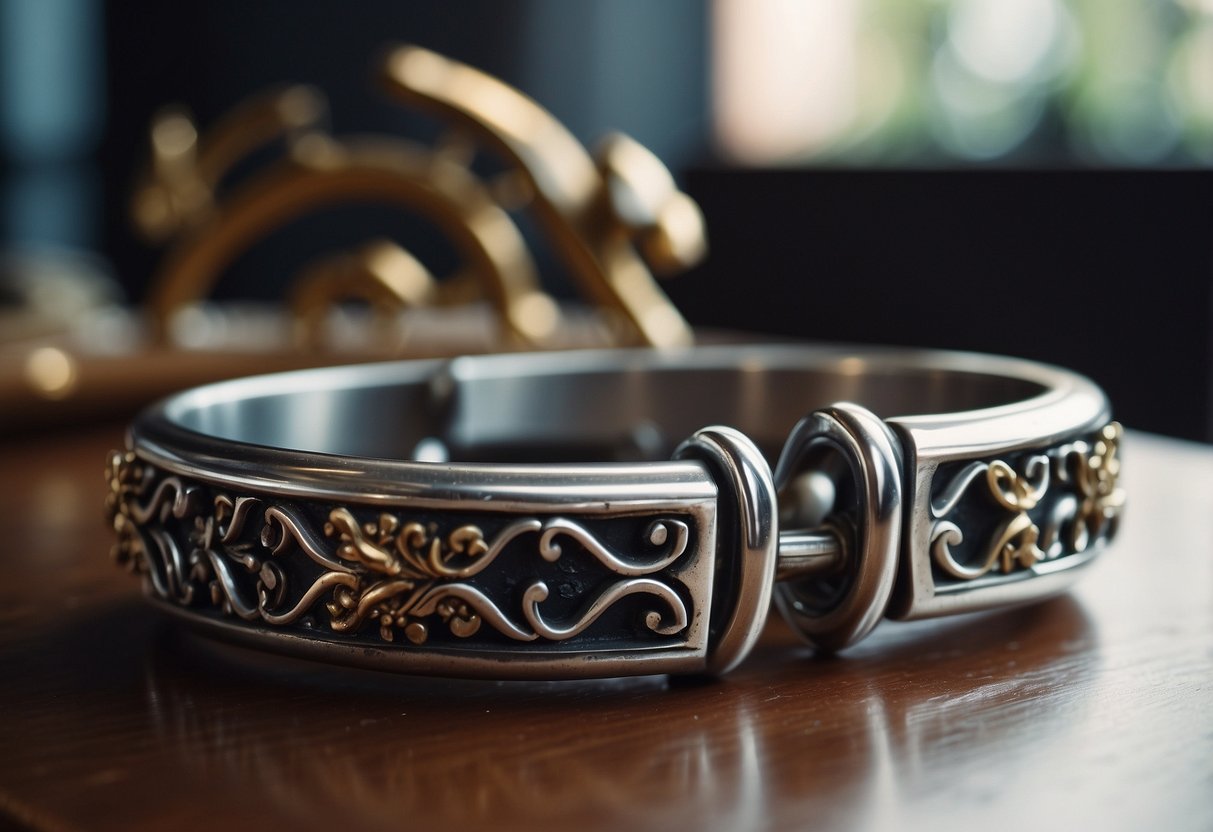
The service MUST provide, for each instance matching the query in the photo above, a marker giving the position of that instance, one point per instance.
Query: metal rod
(809, 553)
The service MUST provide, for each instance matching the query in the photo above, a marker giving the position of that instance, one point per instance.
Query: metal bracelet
(511, 516)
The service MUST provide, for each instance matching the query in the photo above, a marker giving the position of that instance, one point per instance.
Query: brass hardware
(611, 222)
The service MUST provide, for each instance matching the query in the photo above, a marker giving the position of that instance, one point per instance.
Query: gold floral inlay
(403, 575)
(1088, 510)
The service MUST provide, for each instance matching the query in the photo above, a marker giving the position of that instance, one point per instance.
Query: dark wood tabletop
(1093, 710)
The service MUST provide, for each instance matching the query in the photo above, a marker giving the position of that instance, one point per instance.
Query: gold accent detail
(125, 479)
(1093, 470)
(396, 574)
(1015, 542)
(1012, 490)
(403, 563)
(1097, 476)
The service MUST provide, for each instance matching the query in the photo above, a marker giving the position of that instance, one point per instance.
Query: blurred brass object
(320, 172)
(179, 190)
(611, 222)
(593, 212)
(384, 275)
(603, 219)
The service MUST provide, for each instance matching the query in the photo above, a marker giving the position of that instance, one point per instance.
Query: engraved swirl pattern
(1083, 508)
(404, 576)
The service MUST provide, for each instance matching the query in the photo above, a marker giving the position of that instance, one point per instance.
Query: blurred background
(1030, 177)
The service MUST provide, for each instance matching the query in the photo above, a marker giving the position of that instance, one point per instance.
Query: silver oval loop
(748, 525)
(834, 613)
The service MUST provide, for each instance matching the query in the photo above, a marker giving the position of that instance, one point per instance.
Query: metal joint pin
(809, 553)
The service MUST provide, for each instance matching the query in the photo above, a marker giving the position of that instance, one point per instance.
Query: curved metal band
(543, 537)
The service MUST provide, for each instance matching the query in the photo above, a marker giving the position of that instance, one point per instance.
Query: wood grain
(1092, 710)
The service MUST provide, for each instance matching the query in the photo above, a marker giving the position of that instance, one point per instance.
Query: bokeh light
(1034, 82)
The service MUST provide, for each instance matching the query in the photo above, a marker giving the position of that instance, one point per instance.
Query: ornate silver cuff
(506, 516)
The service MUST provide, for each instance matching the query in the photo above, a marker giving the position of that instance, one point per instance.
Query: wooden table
(1094, 710)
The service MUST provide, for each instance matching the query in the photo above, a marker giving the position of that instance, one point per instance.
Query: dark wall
(1108, 272)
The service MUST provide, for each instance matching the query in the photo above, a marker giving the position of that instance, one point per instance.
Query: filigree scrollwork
(1082, 507)
(1015, 542)
(1095, 475)
(408, 574)
(404, 576)
(138, 520)
(653, 619)
(401, 570)
(658, 534)
(125, 478)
